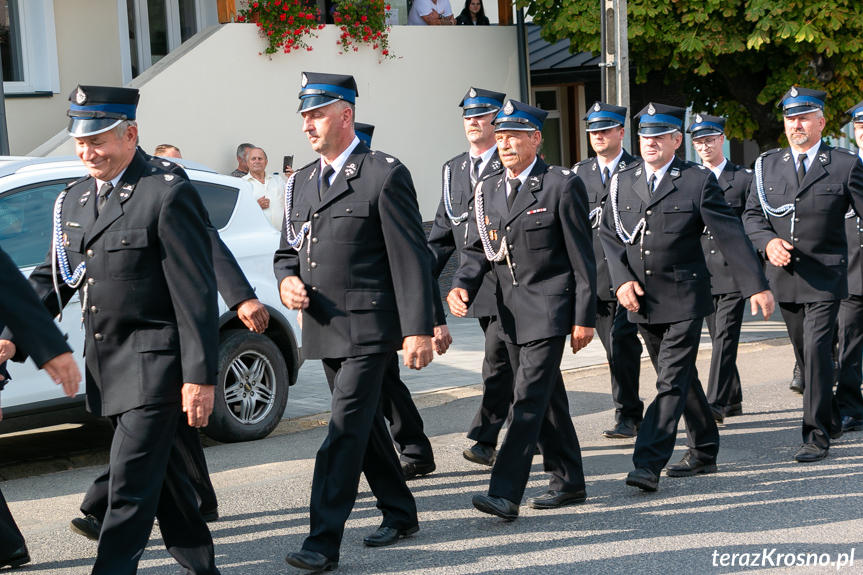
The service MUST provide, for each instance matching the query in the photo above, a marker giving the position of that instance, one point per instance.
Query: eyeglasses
(705, 142)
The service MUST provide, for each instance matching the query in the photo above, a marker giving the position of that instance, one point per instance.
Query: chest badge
(492, 235)
(65, 240)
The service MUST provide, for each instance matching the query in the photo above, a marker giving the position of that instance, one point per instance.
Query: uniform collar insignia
(565, 172)
(675, 172)
(597, 107)
(472, 93)
(84, 197)
(698, 119)
(169, 177)
(495, 165)
(508, 109)
(312, 175)
(304, 81)
(350, 170)
(125, 194)
(390, 160)
(128, 187)
(794, 91)
(621, 164)
(463, 164)
(80, 97)
(593, 167)
(786, 157)
(651, 111)
(823, 157)
(638, 172)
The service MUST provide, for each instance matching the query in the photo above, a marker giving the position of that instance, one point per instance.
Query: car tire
(251, 389)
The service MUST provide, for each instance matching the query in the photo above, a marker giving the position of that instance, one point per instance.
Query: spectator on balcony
(431, 13)
(269, 190)
(167, 151)
(473, 14)
(242, 163)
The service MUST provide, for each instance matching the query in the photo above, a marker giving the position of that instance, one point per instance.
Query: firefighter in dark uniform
(238, 295)
(795, 215)
(406, 424)
(850, 354)
(38, 336)
(133, 239)
(651, 233)
(619, 336)
(448, 235)
(354, 258)
(531, 226)
(723, 383)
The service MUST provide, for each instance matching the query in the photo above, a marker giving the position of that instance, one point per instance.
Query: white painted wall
(210, 98)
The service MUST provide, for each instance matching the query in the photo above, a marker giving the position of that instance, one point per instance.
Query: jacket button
(695, 275)
(314, 240)
(124, 242)
(470, 208)
(314, 288)
(90, 253)
(98, 336)
(796, 239)
(648, 213)
(374, 302)
(314, 265)
(316, 216)
(509, 229)
(647, 252)
(796, 219)
(539, 223)
(647, 233)
(514, 266)
(796, 259)
(797, 200)
(713, 251)
(511, 247)
(676, 209)
(349, 211)
(648, 273)
(94, 309)
(90, 281)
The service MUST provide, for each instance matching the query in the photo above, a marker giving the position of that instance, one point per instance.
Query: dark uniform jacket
(548, 233)
(446, 238)
(230, 279)
(21, 310)
(819, 261)
(734, 181)
(588, 170)
(671, 268)
(151, 316)
(365, 264)
(854, 232)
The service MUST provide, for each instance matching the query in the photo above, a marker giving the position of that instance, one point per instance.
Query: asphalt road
(760, 499)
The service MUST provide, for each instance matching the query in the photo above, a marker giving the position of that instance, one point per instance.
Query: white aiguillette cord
(503, 252)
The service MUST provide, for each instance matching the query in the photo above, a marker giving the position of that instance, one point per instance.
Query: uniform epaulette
(581, 163)
(384, 158)
(847, 151)
(631, 165)
(749, 170)
(773, 151)
(454, 158)
(560, 170)
(309, 164)
(78, 181)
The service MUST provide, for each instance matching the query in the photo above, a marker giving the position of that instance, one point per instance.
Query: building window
(551, 150)
(28, 46)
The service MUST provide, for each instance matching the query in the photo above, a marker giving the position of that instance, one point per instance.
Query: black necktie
(474, 170)
(104, 192)
(651, 182)
(514, 185)
(325, 180)
(801, 169)
(605, 177)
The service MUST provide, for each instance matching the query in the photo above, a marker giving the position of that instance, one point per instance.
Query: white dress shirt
(273, 189)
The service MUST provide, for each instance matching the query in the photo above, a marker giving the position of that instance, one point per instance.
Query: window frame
(61, 183)
(38, 49)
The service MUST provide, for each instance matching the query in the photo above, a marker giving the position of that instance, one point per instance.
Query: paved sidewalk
(461, 366)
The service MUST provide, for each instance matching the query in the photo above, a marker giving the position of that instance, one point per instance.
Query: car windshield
(25, 222)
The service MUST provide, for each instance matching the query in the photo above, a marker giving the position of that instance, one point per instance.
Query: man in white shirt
(269, 190)
(431, 13)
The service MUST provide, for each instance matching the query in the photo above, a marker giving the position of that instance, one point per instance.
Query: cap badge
(597, 107)
(508, 109)
(80, 96)
(794, 91)
(304, 81)
(651, 111)
(472, 93)
(698, 119)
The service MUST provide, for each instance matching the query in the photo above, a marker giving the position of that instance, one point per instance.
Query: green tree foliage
(730, 57)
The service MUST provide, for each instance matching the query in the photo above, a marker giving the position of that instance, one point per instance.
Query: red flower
(363, 18)
(282, 17)
(385, 52)
(387, 7)
(240, 19)
(255, 5)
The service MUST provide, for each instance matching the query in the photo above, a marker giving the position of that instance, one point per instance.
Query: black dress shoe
(851, 424)
(689, 466)
(499, 506)
(810, 452)
(644, 479)
(624, 429)
(481, 453)
(733, 409)
(210, 516)
(555, 499)
(797, 385)
(387, 536)
(89, 527)
(19, 557)
(311, 561)
(718, 412)
(412, 470)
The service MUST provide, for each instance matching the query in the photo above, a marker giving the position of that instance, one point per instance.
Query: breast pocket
(776, 193)
(540, 231)
(300, 215)
(830, 198)
(676, 215)
(348, 221)
(629, 212)
(128, 254)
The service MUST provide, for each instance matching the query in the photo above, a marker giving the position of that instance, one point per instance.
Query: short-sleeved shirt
(424, 8)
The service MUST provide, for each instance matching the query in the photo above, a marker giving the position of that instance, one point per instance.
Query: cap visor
(514, 126)
(657, 130)
(83, 127)
(600, 125)
(314, 102)
(798, 110)
(705, 133)
(471, 112)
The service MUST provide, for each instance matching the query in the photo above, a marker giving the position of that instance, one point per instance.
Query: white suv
(255, 370)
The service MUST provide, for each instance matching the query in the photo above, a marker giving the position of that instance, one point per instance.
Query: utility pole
(615, 53)
(4, 134)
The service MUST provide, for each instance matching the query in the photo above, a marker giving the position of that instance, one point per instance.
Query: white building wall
(220, 92)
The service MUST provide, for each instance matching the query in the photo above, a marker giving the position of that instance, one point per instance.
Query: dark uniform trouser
(406, 424)
(724, 325)
(810, 328)
(540, 414)
(358, 441)
(96, 499)
(673, 348)
(848, 394)
(497, 381)
(10, 536)
(619, 337)
(148, 479)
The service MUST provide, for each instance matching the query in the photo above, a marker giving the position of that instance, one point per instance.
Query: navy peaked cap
(798, 101)
(517, 115)
(602, 116)
(702, 126)
(478, 102)
(318, 90)
(659, 119)
(364, 133)
(97, 109)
